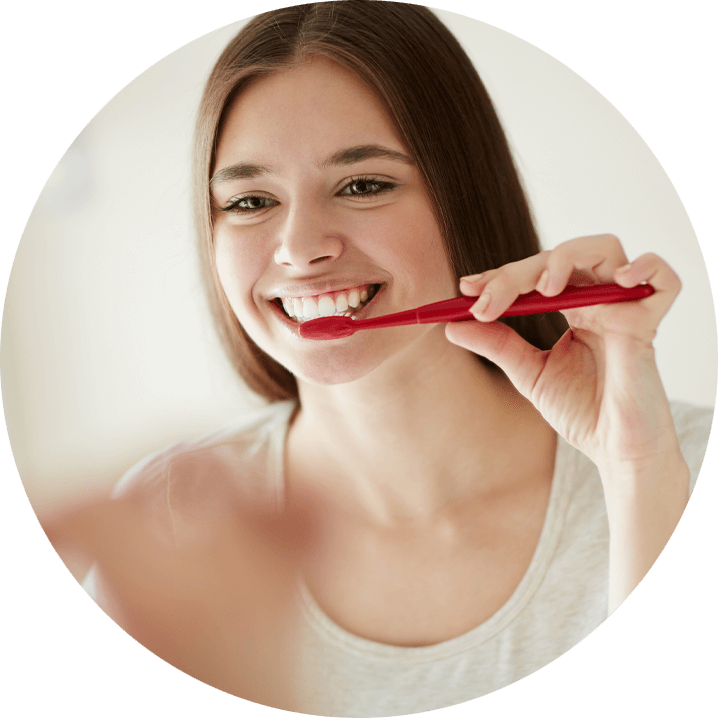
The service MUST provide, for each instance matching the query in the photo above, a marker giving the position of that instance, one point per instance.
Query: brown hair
(443, 113)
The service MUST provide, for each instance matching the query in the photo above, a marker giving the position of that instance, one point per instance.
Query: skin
(367, 400)
(428, 474)
(309, 236)
(599, 387)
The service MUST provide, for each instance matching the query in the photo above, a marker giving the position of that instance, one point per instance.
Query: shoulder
(186, 484)
(693, 426)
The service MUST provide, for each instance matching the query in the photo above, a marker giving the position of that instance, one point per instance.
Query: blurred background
(108, 352)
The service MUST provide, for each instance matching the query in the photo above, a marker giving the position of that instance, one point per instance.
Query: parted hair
(443, 113)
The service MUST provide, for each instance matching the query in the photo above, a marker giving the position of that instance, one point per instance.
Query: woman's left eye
(365, 187)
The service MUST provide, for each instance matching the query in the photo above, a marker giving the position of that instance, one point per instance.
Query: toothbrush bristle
(327, 328)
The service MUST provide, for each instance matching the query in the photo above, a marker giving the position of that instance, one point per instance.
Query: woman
(472, 519)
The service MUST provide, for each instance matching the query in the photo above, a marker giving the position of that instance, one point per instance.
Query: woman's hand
(219, 607)
(599, 386)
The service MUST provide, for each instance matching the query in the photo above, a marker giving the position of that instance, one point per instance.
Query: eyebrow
(349, 156)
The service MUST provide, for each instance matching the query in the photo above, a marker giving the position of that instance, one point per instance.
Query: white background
(109, 351)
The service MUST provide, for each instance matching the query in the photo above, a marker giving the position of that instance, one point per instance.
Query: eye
(365, 187)
(248, 204)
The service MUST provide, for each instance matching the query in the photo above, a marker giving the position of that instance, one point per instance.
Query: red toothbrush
(457, 309)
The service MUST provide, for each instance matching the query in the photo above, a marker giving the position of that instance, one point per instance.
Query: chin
(385, 355)
(335, 367)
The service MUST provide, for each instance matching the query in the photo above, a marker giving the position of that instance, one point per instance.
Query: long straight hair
(443, 113)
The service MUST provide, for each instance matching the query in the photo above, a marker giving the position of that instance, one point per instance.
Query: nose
(306, 240)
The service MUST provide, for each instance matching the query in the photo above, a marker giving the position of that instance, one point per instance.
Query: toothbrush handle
(572, 297)
(457, 309)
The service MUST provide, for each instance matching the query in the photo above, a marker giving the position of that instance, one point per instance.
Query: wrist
(659, 479)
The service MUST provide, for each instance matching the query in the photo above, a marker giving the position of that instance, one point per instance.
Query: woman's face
(318, 208)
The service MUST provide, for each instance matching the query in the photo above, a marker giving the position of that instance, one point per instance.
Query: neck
(414, 436)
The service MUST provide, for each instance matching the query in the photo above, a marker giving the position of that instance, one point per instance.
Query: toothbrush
(457, 309)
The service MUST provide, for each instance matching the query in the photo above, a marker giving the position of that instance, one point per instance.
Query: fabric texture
(560, 600)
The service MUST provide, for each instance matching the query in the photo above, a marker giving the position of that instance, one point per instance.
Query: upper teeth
(326, 305)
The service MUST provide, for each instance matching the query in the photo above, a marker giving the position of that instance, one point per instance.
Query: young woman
(484, 493)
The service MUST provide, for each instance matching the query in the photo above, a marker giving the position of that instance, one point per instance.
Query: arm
(598, 387)
(218, 605)
(641, 519)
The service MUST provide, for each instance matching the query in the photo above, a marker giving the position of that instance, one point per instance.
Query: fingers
(498, 288)
(585, 260)
(655, 271)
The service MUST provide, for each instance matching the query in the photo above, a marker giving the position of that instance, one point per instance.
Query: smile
(343, 303)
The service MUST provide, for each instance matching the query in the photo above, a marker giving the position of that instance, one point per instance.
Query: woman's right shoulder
(188, 482)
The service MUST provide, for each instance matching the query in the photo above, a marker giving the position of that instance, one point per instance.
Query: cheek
(429, 255)
(227, 269)
(414, 248)
(239, 266)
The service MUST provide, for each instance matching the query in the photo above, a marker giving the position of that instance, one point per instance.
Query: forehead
(310, 110)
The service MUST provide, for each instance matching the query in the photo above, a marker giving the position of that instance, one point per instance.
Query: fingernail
(481, 304)
(624, 268)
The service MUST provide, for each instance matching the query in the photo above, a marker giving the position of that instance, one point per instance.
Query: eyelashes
(365, 187)
(248, 204)
(358, 188)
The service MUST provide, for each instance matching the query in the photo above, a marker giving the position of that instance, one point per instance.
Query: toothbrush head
(328, 328)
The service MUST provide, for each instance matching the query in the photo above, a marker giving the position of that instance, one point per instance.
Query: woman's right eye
(248, 204)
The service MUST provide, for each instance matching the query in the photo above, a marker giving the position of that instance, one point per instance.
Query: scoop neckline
(529, 584)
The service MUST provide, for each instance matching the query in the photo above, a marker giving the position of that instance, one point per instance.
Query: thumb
(520, 361)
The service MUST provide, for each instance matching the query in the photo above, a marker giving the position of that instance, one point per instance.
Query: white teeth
(342, 303)
(325, 305)
(311, 309)
(288, 305)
